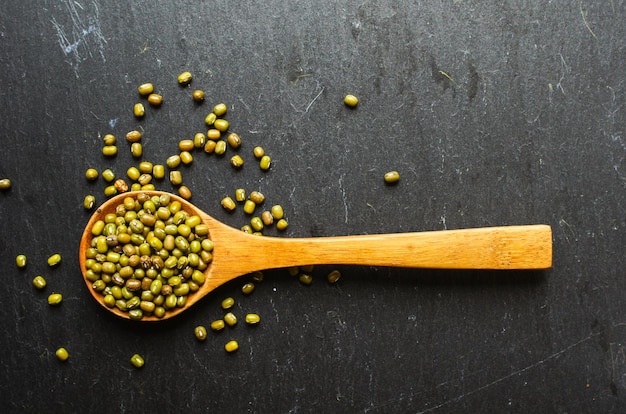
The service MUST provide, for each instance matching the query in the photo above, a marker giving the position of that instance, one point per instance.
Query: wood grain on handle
(500, 248)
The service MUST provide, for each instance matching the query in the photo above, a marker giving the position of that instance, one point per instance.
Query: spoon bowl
(236, 253)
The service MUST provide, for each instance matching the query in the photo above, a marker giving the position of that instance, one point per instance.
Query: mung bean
(199, 140)
(231, 346)
(200, 333)
(305, 279)
(39, 282)
(252, 318)
(230, 319)
(185, 78)
(145, 89)
(5, 184)
(220, 147)
(139, 110)
(158, 171)
(155, 99)
(110, 191)
(120, 185)
(133, 136)
(220, 109)
(240, 194)
(186, 157)
(392, 177)
(228, 303)
(249, 206)
(217, 325)
(333, 276)
(55, 299)
(236, 161)
(210, 118)
(209, 147)
(228, 204)
(137, 361)
(234, 140)
(198, 95)
(221, 125)
(54, 260)
(213, 134)
(282, 224)
(267, 218)
(91, 174)
(173, 161)
(145, 167)
(351, 100)
(108, 175)
(247, 288)
(184, 192)
(265, 162)
(109, 150)
(176, 177)
(89, 202)
(20, 260)
(277, 212)
(256, 223)
(136, 149)
(109, 139)
(258, 152)
(62, 354)
(257, 197)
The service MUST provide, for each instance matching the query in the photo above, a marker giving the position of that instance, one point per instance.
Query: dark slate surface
(495, 114)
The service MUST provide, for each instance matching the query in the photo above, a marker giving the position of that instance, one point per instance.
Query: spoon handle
(505, 248)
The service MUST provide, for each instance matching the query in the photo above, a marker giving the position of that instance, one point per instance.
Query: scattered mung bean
(228, 204)
(176, 177)
(200, 333)
(185, 78)
(139, 110)
(109, 139)
(54, 260)
(220, 147)
(198, 95)
(351, 100)
(184, 192)
(256, 223)
(39, 282)
(89, 202)
(230, 319)
(392, 177)
(145, 89)
(20, 260)
(228, 303)
(158, 171)
(145, 167)
(240, 194)
(267, 218)
(136, 149)
(231, 346)
(133, 136)
(236, 161)
(210, 118)
(265, 162)
(173, 161)
(333, 276)
(234, 140)
(220, 109)
(91, 174)
(217, 325)
(213, 134)
(277, 212)
(108, 175)
(137, 361)
(155, 99)
(55, 299)
(5, 184)
(305, 279)
(199, 140)
(120, 185)
(252, 319)
(186, 157)
(209, 147)
(258, 152)
(62, 354)
(109, 150)
(249, 206)
(221, 124)
(247, 288)
(282, 224)
(257, 197)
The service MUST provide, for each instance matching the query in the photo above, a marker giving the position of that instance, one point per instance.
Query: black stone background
(495, 113)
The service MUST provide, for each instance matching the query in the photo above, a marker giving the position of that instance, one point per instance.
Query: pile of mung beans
(148, 256)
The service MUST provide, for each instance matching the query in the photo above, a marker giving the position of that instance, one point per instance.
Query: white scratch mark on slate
(78, 40)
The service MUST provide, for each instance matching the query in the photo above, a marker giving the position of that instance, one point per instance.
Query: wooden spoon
(237, 253)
